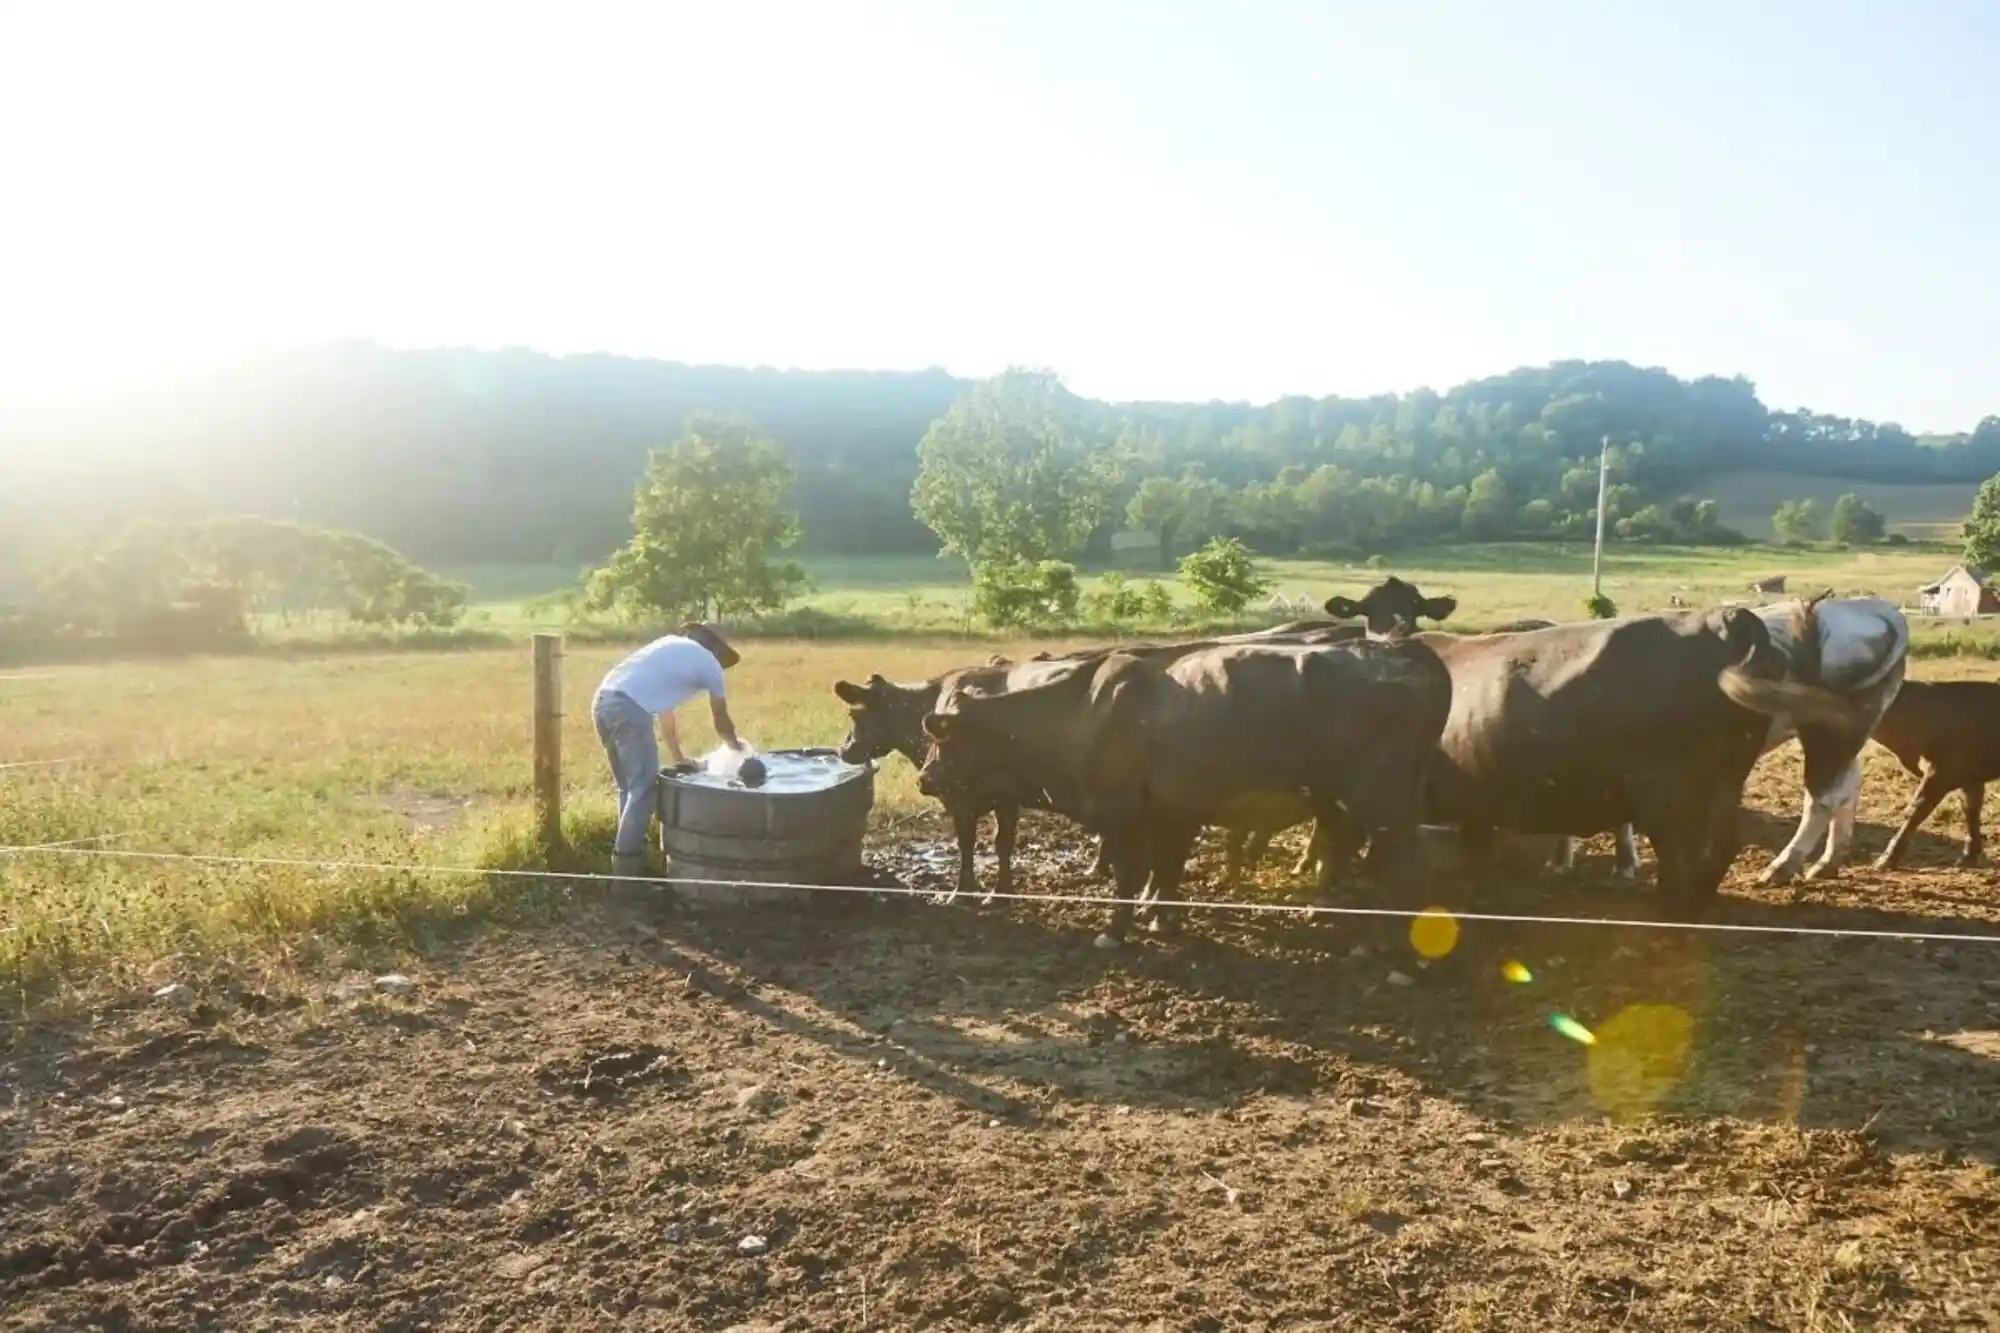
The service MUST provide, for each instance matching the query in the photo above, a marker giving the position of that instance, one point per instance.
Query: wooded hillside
(462, 455)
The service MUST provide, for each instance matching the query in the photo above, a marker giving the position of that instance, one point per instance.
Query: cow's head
(1392, 607)
(884, 718)
(1747, 634)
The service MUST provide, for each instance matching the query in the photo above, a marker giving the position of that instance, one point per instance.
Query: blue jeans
(627, 732)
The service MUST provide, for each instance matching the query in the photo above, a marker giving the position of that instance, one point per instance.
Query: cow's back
(1250, 716)
(1590, 701)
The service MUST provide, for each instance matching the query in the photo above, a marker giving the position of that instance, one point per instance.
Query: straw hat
(709, 637)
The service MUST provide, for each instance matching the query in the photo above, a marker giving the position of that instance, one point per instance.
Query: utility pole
(1603, 484)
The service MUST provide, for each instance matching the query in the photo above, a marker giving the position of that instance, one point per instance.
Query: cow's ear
(850, 694)
(998, 660)
(878, 683)
(938, 726)
(1437, 608)
(1344, 608)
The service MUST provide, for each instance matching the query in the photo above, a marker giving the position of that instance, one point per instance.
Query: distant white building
(1963, 591)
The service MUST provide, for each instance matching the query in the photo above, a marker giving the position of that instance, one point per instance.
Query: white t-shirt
(666, 673)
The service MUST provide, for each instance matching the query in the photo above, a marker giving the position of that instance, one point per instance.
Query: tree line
(202, 583)
(457, 456)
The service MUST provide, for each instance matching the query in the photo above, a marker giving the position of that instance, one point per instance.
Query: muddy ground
(892, 1115)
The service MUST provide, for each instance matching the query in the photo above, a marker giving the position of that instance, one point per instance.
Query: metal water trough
(803, 825)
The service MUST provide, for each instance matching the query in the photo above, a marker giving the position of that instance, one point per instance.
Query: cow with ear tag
(1653, 720)
(1147, 751)
(886, 717)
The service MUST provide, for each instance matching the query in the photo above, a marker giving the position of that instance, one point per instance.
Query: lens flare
(1434, 933)
(1516, 973)
(1572, 1029)
(1639, 1057)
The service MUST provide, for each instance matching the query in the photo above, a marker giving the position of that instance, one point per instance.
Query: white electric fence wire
(906, 891)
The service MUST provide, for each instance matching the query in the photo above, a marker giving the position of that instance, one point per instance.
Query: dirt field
(892, 1115)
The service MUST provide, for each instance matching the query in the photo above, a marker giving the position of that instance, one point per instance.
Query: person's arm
(670, 732)
(718, 708)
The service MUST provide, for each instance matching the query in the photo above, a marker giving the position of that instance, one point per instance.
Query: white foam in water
(723, 762)
(783, 771)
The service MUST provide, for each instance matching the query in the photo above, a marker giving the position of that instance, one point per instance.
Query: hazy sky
(1156, 199)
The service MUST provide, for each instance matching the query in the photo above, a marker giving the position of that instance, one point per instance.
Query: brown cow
(1145, 752)
(1576, 729)
(1414, 605)
(1949, 732)
(886, 717)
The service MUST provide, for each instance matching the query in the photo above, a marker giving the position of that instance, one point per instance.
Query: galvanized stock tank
(803, 825)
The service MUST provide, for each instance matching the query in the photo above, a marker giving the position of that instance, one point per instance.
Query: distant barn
(1961, 592)
(1137, 550)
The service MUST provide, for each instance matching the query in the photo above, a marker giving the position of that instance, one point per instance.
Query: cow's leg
(1842, 800)
(1628, 854)
(1167, 846)
(1126, 849)
(1006, 823)
(1234, 841)
(965, 826)
(1833, 792)
(1975, 838)
(1315, 850)
(1255, 845)
(1933, 789)
(1100, 866)
(1566, 859)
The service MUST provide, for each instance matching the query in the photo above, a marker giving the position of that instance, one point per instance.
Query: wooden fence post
(548, 736)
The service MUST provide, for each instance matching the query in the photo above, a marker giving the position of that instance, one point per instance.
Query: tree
(1982, 526)
(1020, 594)
(1222, 576)
(707, 523)
(1855, 523)
(1187, 506)
(1489, 510)
(1005, 477)
(1796, 521)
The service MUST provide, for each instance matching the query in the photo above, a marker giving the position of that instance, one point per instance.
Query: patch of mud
(427, 812)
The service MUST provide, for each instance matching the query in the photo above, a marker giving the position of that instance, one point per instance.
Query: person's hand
(686, 766)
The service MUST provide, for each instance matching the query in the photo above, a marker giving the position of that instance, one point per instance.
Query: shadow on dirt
(1010, 1010)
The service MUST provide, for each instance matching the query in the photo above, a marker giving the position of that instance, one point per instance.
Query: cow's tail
(1809, 704)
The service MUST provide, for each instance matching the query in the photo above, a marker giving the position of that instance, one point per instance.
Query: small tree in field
(1796, 521)
(1982, 526)
(1222, 576)
(1855, 522)
(707, 524)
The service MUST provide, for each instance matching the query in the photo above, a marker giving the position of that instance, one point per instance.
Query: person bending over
(651, 683)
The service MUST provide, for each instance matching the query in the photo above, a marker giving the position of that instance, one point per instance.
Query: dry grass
(399, 758)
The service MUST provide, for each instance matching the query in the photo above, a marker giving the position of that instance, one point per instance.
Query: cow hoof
(1886, 863)
(986, 899)
(1107, 942)
(1822, 873)
(1777, 874)
(1968, 860)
